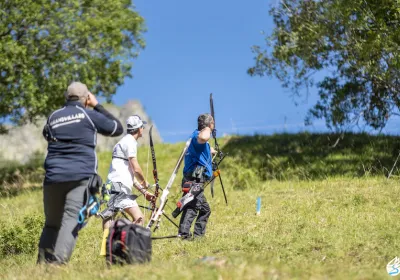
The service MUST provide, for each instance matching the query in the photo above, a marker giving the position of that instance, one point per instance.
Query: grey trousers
(62, 203)
(198, 207)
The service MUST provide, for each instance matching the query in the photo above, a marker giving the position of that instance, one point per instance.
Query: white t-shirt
(119, 168)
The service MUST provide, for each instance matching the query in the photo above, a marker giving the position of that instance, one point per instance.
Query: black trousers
(199, 208)
(62, 203)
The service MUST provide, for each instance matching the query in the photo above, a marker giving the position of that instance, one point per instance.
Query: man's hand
(146, 185)
(150, 186)
(149, 196)
(92, 100)
(213, 151)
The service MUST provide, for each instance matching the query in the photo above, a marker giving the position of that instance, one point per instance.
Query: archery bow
(155, 174)
(220, 154)
(157, 212)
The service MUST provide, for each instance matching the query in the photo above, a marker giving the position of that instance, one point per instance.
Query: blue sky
(197, 47)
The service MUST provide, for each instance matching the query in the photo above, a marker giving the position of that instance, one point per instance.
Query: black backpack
(128, 243)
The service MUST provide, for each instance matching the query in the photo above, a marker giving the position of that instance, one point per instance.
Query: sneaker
(187, 237)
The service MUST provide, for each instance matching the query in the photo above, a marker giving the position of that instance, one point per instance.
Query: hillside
(255, 159)
(327, 212)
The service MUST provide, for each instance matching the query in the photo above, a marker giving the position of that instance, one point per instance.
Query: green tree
(45, 45)
(353, 44)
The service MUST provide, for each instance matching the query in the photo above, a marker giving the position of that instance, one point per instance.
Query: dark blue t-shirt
(198, 154)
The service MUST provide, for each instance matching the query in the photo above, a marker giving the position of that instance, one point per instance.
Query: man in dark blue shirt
(70, 162)
(198, 168)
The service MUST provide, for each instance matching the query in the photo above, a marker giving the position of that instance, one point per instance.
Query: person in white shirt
(126, 172)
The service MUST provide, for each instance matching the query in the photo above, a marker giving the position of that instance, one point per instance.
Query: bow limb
(212, 110)
(214, 131)
(155, 173)
(220, 154)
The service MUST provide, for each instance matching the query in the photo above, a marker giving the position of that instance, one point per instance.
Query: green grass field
(313, 225)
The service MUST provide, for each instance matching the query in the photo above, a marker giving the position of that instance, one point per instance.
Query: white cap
(134, 122)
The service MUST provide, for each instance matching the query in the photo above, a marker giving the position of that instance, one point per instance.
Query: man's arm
(106, 124)
(137, 171)
(204, 135)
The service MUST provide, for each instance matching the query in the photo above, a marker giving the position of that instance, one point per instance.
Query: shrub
(14, 175)
(21, 238)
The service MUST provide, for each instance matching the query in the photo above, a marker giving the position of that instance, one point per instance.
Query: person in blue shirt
(198, 168)
(70, 166)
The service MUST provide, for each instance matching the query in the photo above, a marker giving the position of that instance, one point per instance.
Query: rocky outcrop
(20, 143)
(122, 113)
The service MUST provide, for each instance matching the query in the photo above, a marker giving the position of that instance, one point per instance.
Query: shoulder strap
(120, 158)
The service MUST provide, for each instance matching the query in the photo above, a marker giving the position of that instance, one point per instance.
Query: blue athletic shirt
(198, 154)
